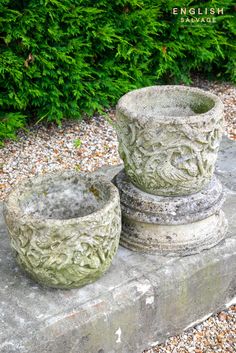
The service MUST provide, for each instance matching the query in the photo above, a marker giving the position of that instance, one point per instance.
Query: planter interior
(64, 199)
(167, 101)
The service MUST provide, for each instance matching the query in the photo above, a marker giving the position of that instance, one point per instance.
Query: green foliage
(9, 123)
(64, 59)
(77, 143)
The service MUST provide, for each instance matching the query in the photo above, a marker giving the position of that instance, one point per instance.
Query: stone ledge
(140, 301)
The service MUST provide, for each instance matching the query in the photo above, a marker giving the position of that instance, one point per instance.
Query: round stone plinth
(169, 138)
(171, 225)
(64, 227)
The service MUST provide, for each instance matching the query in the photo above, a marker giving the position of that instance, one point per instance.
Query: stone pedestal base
(171, 225)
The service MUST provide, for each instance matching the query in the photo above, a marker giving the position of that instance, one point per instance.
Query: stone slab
(139, 302)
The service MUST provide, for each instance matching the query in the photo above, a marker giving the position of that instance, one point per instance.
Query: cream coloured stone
(174, 225)
(173, 240)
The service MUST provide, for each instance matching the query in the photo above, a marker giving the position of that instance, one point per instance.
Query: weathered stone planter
(64, 227)
(169, 138)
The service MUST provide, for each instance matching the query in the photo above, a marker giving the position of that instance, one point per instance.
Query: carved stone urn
(169, 138)
(64, 227)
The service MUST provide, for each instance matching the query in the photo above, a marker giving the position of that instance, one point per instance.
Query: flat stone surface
(140, 301)
(226, 164)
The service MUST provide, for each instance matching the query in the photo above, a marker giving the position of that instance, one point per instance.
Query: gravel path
(216, 334)
(84, 146)
(87, 145)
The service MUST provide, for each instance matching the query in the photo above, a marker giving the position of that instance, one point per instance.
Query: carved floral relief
(175, 159)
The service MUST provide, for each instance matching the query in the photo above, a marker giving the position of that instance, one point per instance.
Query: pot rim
(12, 206)
(215, 111)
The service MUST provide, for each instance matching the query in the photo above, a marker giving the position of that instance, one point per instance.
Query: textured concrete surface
(140, 301)
(226, 164)
(169, 138)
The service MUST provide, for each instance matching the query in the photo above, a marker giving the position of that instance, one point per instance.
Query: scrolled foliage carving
(173, 159)
(69, 258)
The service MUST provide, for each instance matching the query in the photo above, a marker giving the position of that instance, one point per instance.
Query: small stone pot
(64, 227)
(169, 138)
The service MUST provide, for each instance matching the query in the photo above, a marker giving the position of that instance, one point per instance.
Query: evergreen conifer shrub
(63, 59)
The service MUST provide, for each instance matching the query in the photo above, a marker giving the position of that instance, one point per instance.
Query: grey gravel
(82, 146)
(216, 334)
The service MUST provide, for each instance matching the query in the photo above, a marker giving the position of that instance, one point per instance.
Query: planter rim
(12, 201)
(216, 110)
